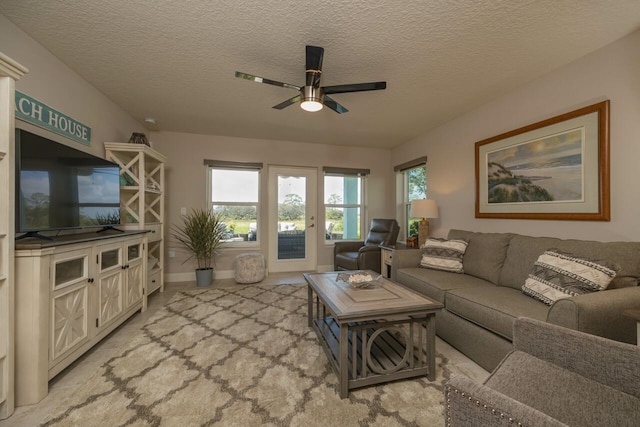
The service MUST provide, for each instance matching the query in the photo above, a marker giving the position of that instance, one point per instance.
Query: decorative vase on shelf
(138, 138)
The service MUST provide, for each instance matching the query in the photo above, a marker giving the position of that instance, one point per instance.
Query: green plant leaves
(202, 234)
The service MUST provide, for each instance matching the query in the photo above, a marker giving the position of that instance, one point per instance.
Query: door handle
(312, 225)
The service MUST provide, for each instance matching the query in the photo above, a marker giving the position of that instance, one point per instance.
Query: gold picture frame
(556, 169)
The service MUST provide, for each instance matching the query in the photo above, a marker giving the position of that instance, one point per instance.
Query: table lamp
(423, 208)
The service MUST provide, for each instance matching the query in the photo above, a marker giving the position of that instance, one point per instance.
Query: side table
(386, 254)
(635, 315)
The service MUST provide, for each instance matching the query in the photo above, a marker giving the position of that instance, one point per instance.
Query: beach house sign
(37, 113)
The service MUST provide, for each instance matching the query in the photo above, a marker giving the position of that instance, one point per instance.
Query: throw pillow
(442, 254)
(557, 275)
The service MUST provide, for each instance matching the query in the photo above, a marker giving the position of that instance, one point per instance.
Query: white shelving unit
(142, 200)
(10, 71)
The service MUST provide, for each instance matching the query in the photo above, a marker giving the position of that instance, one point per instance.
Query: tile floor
(76, 373)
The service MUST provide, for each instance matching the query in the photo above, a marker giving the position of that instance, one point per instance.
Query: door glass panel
(133, 252)
(69, 270)
(110, 258)
(291, 217)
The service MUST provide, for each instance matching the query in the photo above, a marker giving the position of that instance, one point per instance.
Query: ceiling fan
(311, 96)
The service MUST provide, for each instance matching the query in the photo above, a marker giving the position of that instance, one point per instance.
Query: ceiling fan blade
(331, 103)
(314, 65)
(356, 87)
(314, 58)
(288, 102)
(267, 81)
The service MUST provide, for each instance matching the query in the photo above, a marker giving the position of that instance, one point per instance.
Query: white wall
(52, 82)
(186, 179)
(609, 73)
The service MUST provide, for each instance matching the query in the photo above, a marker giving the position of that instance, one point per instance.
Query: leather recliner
(365, 255)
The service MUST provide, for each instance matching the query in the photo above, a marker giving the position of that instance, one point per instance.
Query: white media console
(70, 293)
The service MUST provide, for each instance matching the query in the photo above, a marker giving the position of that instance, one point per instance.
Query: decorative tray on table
(360, 279)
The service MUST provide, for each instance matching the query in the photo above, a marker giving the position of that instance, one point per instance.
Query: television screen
(59, 187)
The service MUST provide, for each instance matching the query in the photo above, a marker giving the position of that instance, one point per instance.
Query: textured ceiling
(175, 60)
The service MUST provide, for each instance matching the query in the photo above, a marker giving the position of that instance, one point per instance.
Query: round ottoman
(249, 268)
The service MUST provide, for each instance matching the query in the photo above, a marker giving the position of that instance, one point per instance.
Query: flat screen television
(59, 187)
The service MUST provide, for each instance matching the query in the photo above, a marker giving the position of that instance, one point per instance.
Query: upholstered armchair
(365, 255)
(554, 377)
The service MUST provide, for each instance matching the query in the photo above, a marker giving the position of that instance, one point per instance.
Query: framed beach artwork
(554, 169)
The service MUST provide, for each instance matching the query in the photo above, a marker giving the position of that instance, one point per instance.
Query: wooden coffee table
(372, 335)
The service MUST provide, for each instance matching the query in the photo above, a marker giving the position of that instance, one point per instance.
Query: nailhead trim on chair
(478, 403)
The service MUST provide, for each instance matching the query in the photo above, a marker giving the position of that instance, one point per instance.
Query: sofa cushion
(485, 253)
(434, 283)
(562, 394)
(442, 254)
(494, 307)
(523, 252)
(556, 275)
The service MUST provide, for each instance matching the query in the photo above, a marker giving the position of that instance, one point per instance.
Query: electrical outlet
(172, 254)
(183, 211)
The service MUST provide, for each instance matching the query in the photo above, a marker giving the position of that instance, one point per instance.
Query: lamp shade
(424, 208)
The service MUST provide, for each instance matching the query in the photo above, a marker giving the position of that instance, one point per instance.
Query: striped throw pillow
(557, 275)
(442, 254)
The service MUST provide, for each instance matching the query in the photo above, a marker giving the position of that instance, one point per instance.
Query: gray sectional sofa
(481, 305)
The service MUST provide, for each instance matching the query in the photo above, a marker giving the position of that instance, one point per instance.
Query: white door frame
(309, 262)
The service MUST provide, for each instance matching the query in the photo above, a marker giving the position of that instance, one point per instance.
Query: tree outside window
(415, 180)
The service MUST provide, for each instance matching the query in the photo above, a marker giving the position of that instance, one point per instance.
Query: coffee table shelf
(385, 358)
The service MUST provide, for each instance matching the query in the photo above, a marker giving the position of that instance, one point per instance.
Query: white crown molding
(10, 68)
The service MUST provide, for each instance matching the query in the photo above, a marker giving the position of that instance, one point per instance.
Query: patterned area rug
(239, 357)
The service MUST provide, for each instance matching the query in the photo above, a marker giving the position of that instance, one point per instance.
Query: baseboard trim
(222, 274)
(191, 277)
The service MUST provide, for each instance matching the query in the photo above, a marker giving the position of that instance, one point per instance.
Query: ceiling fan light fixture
(311, 99)
(311, 105)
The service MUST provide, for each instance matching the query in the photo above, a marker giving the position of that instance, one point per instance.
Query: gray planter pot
(204, 276)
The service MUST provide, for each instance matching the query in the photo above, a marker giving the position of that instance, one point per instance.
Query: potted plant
(202, 233)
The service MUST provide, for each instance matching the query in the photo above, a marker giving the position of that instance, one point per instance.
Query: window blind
(233, 165)
(410, 164)
(328, 170)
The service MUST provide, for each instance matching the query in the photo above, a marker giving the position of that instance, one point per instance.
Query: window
(414, 184)
(235, 193)
(343, 205)
(415, 188)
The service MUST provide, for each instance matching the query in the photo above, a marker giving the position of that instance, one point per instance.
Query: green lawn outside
(242, 226)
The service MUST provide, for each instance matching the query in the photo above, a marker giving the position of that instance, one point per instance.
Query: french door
(292, 219)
